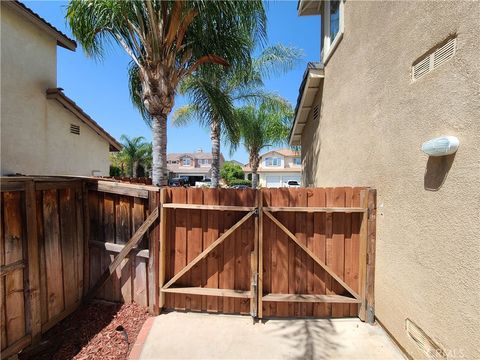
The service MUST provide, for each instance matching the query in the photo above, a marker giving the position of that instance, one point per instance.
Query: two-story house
(391, 76)
(277, 168)
(197, 165)
(43, 132)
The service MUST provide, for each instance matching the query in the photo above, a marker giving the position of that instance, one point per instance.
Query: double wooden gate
(306, 252)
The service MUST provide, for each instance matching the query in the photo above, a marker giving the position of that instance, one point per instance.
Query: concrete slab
(208, 336)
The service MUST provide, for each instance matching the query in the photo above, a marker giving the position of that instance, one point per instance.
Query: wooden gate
(272, 252)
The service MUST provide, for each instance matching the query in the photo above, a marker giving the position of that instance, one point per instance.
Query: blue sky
(100, 87)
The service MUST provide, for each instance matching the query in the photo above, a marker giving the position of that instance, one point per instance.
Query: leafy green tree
(135, 150)
(167, 42)
(231, 171)
(213, 95)
(263, 125)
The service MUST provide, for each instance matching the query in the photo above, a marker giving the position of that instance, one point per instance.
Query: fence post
(254, 264)
(362, 269)
(370, 273)
(153, 267)
(33, 262)
(86, 239)
(163, 247)
(260, 255)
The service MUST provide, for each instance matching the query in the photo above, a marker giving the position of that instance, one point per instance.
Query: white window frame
(329, 47)
(273, 161)
(184, 162)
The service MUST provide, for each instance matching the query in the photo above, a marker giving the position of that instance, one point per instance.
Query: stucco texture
(35, 132)
(373, 121)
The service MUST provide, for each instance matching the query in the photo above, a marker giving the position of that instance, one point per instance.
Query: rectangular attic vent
(434, 59)
(424, 342)
(75, 129)
(315, 112)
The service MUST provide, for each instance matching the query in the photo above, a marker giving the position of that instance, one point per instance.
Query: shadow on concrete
(436, 171)
(307, 338)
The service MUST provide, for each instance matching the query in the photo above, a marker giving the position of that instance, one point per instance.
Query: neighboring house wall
(279, 175)
(28, 58)
(84, 154)
(373, 120)
(35, 131)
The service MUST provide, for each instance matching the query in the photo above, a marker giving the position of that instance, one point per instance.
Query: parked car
(240, 187)
(293, 183)
(176, 182)
(203, 183)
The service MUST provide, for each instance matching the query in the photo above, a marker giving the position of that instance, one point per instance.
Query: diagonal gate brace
(312, 255)
(205, 252)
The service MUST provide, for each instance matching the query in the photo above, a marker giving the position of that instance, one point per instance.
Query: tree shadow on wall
(436, 171)
(307, 338)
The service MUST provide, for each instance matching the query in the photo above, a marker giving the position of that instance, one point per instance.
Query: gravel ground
(98, 330)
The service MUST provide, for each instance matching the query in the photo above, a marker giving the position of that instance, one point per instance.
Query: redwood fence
(267, 253)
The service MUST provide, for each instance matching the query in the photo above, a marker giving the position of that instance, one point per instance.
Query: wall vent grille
(434, 59)
(75, 129)
(424, 342)
(316, 113)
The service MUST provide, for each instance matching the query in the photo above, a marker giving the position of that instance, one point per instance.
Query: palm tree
(262, 126)
(134, 151)
(167, 41)
(213, 95)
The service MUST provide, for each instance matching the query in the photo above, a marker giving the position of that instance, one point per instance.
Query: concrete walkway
(208, 336)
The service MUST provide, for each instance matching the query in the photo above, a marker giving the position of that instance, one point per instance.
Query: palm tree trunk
(159, 150)
(254, 162)
(215, 137)
(134, 169)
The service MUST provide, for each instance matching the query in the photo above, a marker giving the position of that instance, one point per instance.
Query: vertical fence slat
(362, 256)
(68, 241)
(33, 262)
(53, 254)
(3, 323)
(370, 273)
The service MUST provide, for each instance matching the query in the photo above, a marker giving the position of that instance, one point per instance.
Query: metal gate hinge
(256, 212)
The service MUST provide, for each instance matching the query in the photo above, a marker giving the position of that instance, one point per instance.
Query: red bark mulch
(98, 330)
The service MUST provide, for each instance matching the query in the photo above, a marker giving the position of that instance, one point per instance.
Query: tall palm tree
(263, 125)
(167, 41)
(134, 151)
(213, 95)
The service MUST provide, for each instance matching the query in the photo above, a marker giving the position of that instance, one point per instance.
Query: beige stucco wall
(373, 121)
(35, 132)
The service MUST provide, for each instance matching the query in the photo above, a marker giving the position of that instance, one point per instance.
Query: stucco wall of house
(373, 121)
(35, 132)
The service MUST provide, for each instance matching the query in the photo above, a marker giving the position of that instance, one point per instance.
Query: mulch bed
(98, 330)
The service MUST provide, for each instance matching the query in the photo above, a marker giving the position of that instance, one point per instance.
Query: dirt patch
(98, 330)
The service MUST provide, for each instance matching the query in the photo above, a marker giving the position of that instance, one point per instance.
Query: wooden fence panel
(113, 219)
(291, 278)
(14, 251)
(190, 231)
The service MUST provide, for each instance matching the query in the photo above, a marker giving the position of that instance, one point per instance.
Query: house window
(297, 161)
(203, 161)
(187, 161)
(332, 27)
(273, 161)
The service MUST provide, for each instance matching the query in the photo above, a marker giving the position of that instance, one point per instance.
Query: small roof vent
(316, 113)
(434, 58)
(75, 129)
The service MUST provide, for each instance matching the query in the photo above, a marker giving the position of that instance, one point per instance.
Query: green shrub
(231, 171)
(241, 182)
(115, 171)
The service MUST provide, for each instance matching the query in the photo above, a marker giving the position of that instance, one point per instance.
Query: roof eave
(309, 7)
(70, 105)
(62, 39)
(309, 88)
